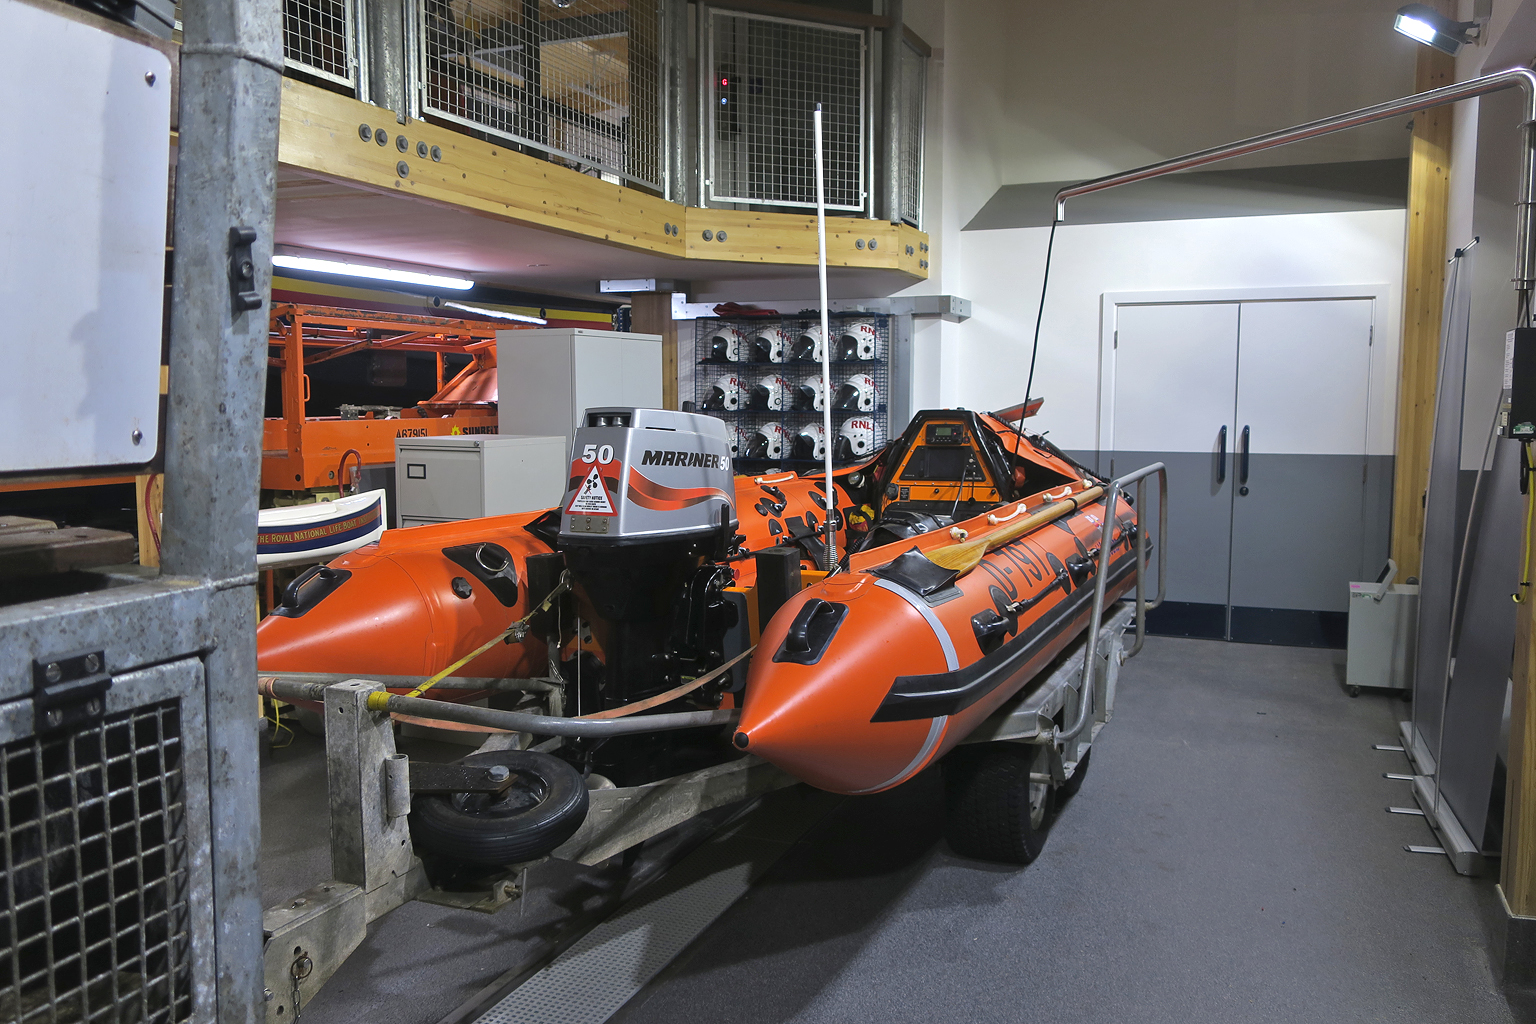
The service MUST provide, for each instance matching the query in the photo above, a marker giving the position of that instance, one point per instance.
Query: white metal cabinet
(444, 479)
(550, 377)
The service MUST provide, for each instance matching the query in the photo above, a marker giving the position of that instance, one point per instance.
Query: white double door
(1261, 410)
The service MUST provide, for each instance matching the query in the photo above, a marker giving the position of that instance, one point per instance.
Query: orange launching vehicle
(683, 615)
(301, 452)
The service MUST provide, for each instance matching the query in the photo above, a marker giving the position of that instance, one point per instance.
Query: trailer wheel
(1067, 790)
(544, 807)
(995, 812)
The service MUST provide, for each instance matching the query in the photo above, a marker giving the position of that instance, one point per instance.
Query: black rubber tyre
(544, 807)
(994, 811)
(1067, 790)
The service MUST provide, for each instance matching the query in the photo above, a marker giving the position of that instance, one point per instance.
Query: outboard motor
(648, 517)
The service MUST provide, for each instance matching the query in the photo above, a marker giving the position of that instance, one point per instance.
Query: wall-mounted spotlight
(1426, 25)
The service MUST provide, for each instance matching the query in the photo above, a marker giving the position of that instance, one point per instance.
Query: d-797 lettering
(672, 458)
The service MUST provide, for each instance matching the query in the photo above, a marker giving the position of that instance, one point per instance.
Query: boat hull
(319, 532)
(397, 611)
(906, 676)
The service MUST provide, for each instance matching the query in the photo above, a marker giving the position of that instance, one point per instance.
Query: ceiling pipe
(1525, 205)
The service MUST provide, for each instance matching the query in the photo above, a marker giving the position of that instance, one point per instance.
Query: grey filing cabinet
(444, 479)
(551, 376)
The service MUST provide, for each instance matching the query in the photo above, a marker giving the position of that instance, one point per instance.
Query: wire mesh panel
(319, 36)
(95, 920)
(773, 420)
(579, 80)
(768, 74)
(913, 68)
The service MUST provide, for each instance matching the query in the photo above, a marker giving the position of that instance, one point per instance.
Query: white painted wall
(1003, 278)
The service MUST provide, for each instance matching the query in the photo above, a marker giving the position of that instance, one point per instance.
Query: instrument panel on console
(947, 466)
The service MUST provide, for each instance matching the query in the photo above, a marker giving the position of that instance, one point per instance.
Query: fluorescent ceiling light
(1424, 24)
(497, 313)
(318, 266)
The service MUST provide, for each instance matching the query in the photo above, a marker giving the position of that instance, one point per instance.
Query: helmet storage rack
(752, 367)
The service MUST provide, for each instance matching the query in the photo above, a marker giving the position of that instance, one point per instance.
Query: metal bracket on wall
(67, 691)
(242, 271)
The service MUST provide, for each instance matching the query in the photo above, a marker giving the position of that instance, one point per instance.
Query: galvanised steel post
(231, 81)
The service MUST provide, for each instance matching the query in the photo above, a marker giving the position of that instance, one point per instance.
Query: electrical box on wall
(82, 243)
(1517, 413)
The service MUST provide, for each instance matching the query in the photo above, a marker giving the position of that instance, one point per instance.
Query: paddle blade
(959, 557)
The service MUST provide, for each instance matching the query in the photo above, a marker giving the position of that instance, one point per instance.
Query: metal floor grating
(592, 980)
(94, 914)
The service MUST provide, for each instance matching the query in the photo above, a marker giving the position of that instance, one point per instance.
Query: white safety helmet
(724, 346)
(810, 395)
(811, 442)
(858, 394)
(810, 346)
(768, 345)
(724, 394)
(855, 438)
(741, 440)
(858, 341)
(767, 442)
(771, 393)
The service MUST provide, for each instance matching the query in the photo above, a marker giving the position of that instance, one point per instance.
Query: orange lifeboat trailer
(683, 616)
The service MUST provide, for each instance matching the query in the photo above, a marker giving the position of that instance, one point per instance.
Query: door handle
(1221, 455)
(1242, 464)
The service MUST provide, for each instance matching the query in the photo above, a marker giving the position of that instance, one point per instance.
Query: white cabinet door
(1175, 376)
(1175, 384)
(1298, 514)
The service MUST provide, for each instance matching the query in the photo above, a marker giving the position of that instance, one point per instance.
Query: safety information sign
(592, 497)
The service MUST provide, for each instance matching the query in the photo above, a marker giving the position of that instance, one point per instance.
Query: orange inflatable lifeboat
(970, 554)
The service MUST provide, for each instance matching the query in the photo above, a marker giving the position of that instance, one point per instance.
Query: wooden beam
(1423, 295)
(1518, 868)
(321, 135)
(149, 500)
(651, 313)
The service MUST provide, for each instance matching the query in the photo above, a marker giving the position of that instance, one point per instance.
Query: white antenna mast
(830, 559)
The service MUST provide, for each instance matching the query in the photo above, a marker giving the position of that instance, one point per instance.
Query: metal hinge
(69, 691)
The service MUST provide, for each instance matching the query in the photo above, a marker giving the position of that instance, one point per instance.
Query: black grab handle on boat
(1221, 455)
(315, 585)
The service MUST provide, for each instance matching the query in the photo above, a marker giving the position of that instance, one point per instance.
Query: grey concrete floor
(1228, 859)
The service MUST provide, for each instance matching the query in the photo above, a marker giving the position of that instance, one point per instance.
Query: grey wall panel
(1199, 521)
(1441, 543)
(1474, 702)
(1299, 535)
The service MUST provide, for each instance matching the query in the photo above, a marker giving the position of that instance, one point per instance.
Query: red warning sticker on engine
(592, 497)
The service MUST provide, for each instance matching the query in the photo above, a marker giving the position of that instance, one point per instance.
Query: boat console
(950, 465)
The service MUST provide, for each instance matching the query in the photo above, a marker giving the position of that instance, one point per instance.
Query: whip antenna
(829, 561)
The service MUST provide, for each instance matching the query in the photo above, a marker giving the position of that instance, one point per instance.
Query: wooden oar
(967, 555)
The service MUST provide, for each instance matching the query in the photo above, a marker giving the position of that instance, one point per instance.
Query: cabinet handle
(1242, 460)
(1221, 455)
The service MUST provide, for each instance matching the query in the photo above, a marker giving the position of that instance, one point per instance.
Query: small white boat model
(303, 534)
